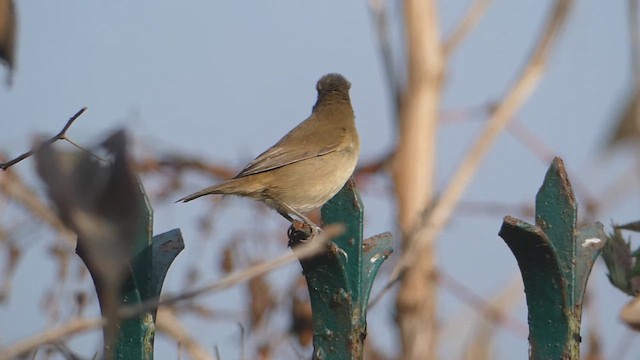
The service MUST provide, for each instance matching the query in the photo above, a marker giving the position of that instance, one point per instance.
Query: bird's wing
(282, 153)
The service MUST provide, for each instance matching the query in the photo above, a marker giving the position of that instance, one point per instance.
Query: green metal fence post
(555, 260)
(149, 265)
(340, 280)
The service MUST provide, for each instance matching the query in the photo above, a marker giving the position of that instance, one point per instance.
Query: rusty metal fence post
(149, 265)
(340, 280)
(555, 259)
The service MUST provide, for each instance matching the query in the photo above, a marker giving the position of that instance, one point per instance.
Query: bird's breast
(308, 184)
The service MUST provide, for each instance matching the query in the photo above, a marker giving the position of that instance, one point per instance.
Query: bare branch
(495, 209)
(312, 247)
(384, 291)
(619, 190)
(59, 136)
(434, 219)
(534, 144)
(414, 159)
(545, 154)
(13, 187)
(374, 166)
(177, 164)
(77, 146)
(482, 328)
(468, 23)
(413, 172)
(169, 324)
(380, 15)
(495, 314)
(634, 40)
(52, 335)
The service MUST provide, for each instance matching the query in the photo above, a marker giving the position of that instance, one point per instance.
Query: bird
(309, 165)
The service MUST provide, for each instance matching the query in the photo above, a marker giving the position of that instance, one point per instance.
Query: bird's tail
(230, 187)
(195, 195)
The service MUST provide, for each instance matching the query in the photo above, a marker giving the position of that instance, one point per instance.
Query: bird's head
(331, 88)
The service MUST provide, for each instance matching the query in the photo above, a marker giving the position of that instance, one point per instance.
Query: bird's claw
(301, 231)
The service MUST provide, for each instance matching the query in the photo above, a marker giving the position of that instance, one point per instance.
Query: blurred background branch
(433, 61)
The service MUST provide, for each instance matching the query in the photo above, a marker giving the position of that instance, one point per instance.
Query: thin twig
(308, 249)
(380, 13)
(466, 295)
(489, 311)
(434, 219)
(312, 247)
(634, 39)
(468, 22)
(59, 136)
(83, 149)
(495, 209)
(178, 164)
(242, 342)
(546, 154)
(375, 166)
(376, 299)
(619, 190)
(169, 324)
(15, 188)
(71, 327)
(533, 143)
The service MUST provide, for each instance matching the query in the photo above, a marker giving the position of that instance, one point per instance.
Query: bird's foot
(301, 231)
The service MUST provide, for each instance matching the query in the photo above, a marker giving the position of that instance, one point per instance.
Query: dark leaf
(102, 202)
(617, 257)
(97, 200)
(8, 35)
(633, 226)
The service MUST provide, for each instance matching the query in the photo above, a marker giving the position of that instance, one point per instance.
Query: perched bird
(309, 165)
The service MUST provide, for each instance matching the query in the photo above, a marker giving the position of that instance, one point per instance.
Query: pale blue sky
(226, 80)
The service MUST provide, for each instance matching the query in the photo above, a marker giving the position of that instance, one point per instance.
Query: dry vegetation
(418, 276)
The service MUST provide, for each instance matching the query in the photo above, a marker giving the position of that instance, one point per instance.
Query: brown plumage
(309, 165)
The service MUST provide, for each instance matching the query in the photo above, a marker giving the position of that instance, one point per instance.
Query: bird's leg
(285, 210)
(285, 215)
